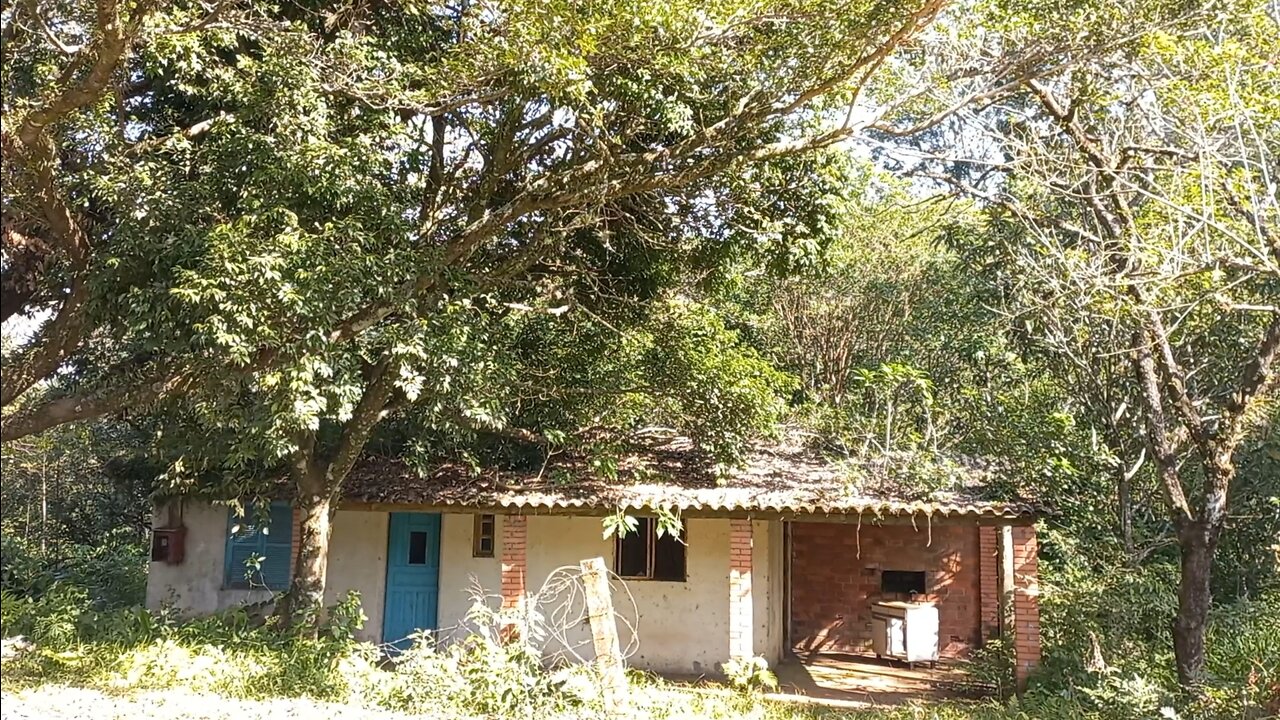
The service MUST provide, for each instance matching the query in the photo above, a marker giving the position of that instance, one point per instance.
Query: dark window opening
(483, 537)
(643, 555)
(633, 551)
(902, 581)
(668, 558)
(417, 547)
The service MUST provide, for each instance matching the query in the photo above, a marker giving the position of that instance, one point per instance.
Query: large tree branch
(1158, 435)
(755, 109)
(590, 182)
(37, 154)
(102, 56)
(371, 408)
(58, 338)
(73, 408)
(1175, 379)
(1258, 376)
(156, 383)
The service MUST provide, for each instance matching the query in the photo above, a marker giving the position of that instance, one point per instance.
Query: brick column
(295, 543)
(515, 535)
(989, 581)
(740, 610)
(1026, 604)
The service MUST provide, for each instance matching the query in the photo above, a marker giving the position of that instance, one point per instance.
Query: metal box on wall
(168, 545)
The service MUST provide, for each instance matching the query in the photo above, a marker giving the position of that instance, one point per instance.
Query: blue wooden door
(413, 576)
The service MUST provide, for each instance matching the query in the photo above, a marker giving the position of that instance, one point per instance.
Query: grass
(129, 652)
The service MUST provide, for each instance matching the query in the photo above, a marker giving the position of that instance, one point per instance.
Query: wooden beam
(1007, 627)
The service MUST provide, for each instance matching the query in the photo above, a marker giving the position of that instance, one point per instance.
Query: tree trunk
(44, 505)
(1124, 498)
(300, 607)
(1197, 542)
(318, 482)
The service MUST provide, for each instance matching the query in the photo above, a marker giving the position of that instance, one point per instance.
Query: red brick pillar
(515, 534)
(295, 544)
(740, 610)
(989, 581)
(1026, 604)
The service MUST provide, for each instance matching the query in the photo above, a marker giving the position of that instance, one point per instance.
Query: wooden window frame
(477, 534)
(651, 554)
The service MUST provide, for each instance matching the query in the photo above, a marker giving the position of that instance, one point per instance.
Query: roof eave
(865, 516)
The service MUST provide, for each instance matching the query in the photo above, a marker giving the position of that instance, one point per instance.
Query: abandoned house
(790, 555)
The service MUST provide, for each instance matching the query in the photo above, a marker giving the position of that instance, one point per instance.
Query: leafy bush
(495, 671)
(1243, 660)
(1100, 664)
(991, 667)
(489, 673)
(750, 674)
(1108, 651)
(113, 572)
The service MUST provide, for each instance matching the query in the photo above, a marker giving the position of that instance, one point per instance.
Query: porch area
(905, 591)
(854, 681)
(848, 680)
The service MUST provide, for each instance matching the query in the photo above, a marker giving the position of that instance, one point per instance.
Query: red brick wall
(989, 580)
(1026, 603)
(740, 608)
(832, 587)
(515, 535)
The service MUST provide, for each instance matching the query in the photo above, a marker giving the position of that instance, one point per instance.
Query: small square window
(483, 536)
(642, 555)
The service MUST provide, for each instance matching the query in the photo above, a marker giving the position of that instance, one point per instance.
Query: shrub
(113, 573)
(750, 674)
(991, 667)
(495, 671)
(1243, 660)
(1108, 648)
(489, 673)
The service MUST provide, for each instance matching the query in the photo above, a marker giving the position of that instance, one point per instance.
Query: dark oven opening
(904, 582)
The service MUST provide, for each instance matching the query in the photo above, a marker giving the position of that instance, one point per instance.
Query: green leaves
(619, 524)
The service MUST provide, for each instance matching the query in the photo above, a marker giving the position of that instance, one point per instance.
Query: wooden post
(1007, 627)
(604, 629)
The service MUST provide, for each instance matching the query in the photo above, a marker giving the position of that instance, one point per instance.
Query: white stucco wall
(767, 589)
(195, 586)
(460, 573)
(683, 626)
(557, 541)
(358, 561)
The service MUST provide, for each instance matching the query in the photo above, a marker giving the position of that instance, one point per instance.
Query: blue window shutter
(242, 543)
(246, 537)
(277, 548)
